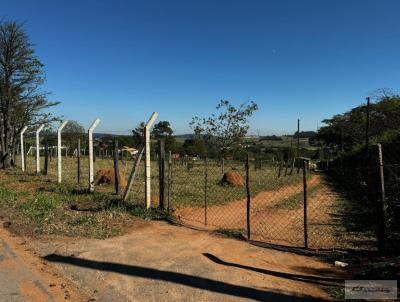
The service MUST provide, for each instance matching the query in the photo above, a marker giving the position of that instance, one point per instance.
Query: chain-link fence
(289, 204)
(351, 202)
(75, 169)
(301, 202)
(391, 195)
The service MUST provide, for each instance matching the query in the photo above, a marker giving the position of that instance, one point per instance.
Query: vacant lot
(276, 211)
(187, 181)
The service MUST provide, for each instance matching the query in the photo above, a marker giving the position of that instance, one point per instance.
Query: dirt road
(160, 262)
(26, 277)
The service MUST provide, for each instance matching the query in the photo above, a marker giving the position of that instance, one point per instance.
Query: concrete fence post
(22, 148)
(90, 134)
(63, 124)
(149, 123)
(38, 149)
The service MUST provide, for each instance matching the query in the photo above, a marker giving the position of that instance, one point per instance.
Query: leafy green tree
(227, 127)
(162, 129)
(138, 134)
(346, 131)
(22, 103)
(194, 147)
(70, 134)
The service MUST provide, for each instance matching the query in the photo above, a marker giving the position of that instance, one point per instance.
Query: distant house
(129, 150)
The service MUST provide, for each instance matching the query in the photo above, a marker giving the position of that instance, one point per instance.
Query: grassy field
(37, 204)
(286, 142)
(188, 180)
(189, 185)
(34, 205)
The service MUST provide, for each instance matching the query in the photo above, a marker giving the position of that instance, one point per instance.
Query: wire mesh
(325, 204)
(391, 176)
(277, 215)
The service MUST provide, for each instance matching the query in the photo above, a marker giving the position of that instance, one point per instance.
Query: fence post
(381, 204)
(286, 167)
(46, 157)
(292, 167)
(90, 134)
(116, 168)
(205, 188)
(279, 169)
(59, 150)
(23, 148)
(169, 180)
(79, 161)
(148, 159)
(248, 198)
(161, 169)
(298, 143)
(38, 149)
(305, 203)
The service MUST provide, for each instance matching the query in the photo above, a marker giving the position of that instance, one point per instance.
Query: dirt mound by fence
(106, 176)
(232, 178)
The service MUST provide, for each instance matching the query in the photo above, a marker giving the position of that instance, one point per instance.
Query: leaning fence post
(147, 158)
(90, 134)
(37, 149)
(116, 168)
(305, 203)
(133, 173)
(59, 150)
(248, 196)
(22, 148)
(205, 189)
(381, 205)
(161, 170)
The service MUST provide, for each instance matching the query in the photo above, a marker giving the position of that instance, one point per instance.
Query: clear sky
(122, 60)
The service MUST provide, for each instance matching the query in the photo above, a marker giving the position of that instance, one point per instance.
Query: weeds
(232, 233)
(39, 209)
(7, 197)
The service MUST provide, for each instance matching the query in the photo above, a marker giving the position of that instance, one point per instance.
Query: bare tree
(22, 103)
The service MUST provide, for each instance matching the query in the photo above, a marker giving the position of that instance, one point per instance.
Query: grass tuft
(39, 209)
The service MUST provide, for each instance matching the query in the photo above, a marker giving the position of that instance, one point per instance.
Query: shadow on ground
(303, 278)
(180, 278)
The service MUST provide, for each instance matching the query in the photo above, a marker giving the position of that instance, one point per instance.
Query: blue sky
(122, 60)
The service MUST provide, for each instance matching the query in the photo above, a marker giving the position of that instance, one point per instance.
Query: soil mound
(232, 178)
(155, 200)
(106, 176)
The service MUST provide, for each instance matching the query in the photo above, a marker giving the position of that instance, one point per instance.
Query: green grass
(296, 201)
(84, 220)
(37, 204)
(187, 188)
(7, 197)
(286, 142)
(39, 208)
